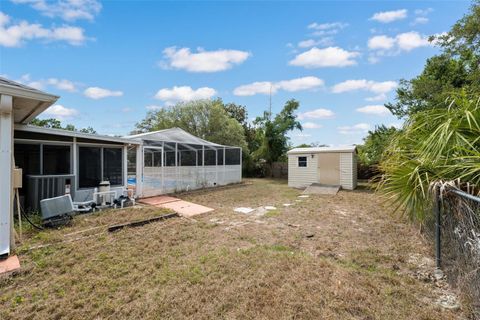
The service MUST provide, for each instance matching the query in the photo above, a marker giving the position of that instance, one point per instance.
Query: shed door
(329, 168)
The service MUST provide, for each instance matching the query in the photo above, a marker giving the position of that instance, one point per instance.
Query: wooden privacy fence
(280, 170)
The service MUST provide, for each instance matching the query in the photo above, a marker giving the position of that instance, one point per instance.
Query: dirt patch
(325, 257)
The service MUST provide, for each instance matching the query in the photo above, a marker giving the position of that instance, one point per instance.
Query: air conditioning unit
(56, 207)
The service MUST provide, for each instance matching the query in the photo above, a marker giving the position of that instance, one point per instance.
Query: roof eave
(76, 134)
(27, 93)
(45, 100)
(293, 151)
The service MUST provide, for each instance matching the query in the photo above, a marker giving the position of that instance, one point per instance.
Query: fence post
(437, 208)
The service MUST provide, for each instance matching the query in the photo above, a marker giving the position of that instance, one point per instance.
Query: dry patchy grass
(325, 257)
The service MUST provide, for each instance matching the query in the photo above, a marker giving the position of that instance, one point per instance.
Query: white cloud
(383, 45)
(323, 29)
(265, 87)
(411, 40)
(327, 57)
(127, 109)
(4, 19)
(378, 110)
(423, 12)
(61, 84)
(299, 84)
(27, 80)
(327, 26)
(389, 16)
(259, 87)
(381, 42)
(153, 108)
(72, 35)
(15, 34)
(420, 20)
(359, 128)
(60, 112)
(325, 41)
(303, 135)
(202, 61)
(320, 113)
(184, 93)
(69, 10)
(325, 32)
(307, 43)
(100, 93)
(311, 125)
(362, 84)
(378, 97)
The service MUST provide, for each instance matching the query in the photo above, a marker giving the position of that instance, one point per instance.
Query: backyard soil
(343, 256)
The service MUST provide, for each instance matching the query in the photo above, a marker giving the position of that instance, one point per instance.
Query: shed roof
(173, 135)
(322, 149)
(77, 134)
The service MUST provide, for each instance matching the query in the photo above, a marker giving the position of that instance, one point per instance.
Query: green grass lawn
(324, 257)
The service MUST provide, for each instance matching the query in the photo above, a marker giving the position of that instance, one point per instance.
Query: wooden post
(19, 214)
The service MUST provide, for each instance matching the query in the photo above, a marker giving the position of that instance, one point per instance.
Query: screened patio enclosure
(173, 160)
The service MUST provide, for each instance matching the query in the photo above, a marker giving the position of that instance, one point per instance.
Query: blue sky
(113, 61)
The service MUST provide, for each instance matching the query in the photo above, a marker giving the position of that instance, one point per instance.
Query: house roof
(28, 102)
(173, 135)
(322, 149)
(77, 134)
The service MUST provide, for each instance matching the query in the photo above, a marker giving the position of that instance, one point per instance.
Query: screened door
(153, 179)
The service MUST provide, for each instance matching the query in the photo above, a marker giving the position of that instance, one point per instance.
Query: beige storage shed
(325, 165)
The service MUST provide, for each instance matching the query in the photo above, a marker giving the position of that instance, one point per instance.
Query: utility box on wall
(17, 178)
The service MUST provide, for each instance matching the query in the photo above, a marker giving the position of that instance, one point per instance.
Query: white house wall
(354, 170)
(302, 177)
(6, 156)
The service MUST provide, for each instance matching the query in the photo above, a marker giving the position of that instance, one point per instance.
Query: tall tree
(374, 145)
(444, 75)
(57, 124)
(441, 137)
(206, 119)
(237, 112)
(272, 134)
(436, 144)
(240, 113)
(47, 123)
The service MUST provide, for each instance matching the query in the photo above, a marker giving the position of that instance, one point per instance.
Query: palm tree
(436, 144)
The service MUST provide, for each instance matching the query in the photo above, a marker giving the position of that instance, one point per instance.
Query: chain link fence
(457, 234)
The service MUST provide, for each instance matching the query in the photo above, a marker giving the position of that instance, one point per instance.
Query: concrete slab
(317, 188)
(244, 210)
(153, 201)
(9, 265)
(270, 208)
(185, 208)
